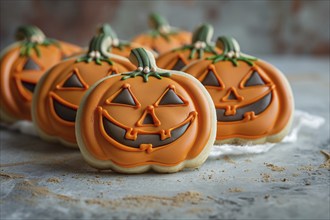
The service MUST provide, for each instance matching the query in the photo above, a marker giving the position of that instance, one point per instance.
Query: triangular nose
(232, 95)
(148, 118)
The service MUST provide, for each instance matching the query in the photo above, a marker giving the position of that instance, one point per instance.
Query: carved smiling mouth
(62, 110)
(256, 107)
(143, 138)
(29, 86)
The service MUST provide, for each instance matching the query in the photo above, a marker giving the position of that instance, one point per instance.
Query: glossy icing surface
(252, 98)
(121, 133)
(62, 88)
(21, 70)
(133, 120)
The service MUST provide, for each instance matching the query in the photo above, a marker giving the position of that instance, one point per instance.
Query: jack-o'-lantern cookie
(22, 64)
(162, 37)
(253, 99)
(60, 90)
(148, 119)
(200, 47)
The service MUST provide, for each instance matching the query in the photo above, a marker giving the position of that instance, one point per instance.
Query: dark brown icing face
(257, 107)
(125, 98)
(179, 64)
(29, 86)
(117, 133)
(61, 108)
(65, 112)
(31, 65)
(231, 107)
(73, 82)
(211, 80)
(170, 98)
(254, 80)
(147, 129)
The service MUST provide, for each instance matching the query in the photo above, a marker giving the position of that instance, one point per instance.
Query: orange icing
(232, 79)
(51, 89)
(15, 98)
(195, 111)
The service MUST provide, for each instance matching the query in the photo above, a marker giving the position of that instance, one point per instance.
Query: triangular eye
(73, 81)
(211, 80)
(124, 97)
(254, 80)
(31, 65)
(179, 64)
(170, 98)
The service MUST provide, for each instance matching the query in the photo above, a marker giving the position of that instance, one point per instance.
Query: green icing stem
(145, 76)
(157, 21)
(231, 52)
(144, 60)
(31, 37)
(107, 30)
(98, 45)
(142, 57)
(27, 32)
(202, 34)
(138, 57)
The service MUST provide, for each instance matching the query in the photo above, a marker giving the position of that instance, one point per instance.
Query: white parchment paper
(302, 120)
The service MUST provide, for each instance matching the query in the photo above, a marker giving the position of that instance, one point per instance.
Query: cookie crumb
(235, 189)
(306, 168)
(265, 177)
(11, 175)
(229, 160)
(54, 180)
(307, 182)
(274, 167)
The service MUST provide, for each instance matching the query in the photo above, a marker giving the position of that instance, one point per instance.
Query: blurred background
(261, 27)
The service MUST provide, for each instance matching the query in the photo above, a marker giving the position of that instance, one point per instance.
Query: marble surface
(291, 181)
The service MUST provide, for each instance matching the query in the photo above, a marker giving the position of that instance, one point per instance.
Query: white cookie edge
(107, 164)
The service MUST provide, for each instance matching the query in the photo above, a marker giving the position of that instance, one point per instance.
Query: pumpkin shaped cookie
(253, 99)
(199, 48)
(148, 119)
(162, 37)
(60, 90)
(22, 64)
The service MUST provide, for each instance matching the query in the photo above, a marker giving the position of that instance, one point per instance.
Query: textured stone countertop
(42, 180)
